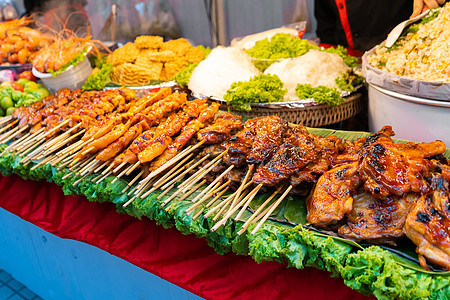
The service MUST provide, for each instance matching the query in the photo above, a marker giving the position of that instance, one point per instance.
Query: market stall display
(227, 154)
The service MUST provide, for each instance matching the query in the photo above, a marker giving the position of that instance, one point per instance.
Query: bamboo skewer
(57, 127)
(108, 168)
(177, 157)
(121, 174)
(104, 164)
(228, 199)
(184, 173)
(192, 190)
(201, 172)
(133, 181)
(238, 192)
(173, 172)
(88, 167)
(196, 179)
(8, 126)
(102, 177)
(255, 214)
(246, 199)
(244, 207)
(85, 152)
(211, 202)
(15, 143)
(5, 119)
(208, 188)
(271, 210)
(5, 137)
(119, 167)
(15, 134)
(31, 141)
(132, 168)
(216, 189)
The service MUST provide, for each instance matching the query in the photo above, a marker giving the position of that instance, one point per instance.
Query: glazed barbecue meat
(269, 132)
(297, 150)
(377, 221)
(221, 129)
(240, 144)
(330, 147)
(397, 168)
(332, 197)
(428, 224)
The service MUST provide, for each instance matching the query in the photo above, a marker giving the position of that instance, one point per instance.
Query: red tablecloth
(186, 261)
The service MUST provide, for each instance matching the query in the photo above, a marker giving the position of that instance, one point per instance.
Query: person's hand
(422, 5)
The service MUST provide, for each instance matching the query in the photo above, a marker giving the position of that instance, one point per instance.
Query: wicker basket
(311, 116)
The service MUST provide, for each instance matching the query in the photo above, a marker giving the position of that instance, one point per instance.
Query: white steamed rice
(315, 68)
(222, 67)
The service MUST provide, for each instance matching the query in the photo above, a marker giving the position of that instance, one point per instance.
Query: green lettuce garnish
(349, 81)
(182, 78)
(349, 60)
(259, 89)
(281, 45)
(320, 94)
(98, 80)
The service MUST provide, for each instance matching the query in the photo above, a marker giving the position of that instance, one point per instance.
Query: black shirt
(370, 21)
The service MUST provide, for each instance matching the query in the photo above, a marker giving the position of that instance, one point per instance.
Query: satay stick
(133, 181)
(271, 210)
(238, 192)
(184, 173)
(5, 119)
(228, 199)
(132, 168)
(216, 189)
(176, 158)
(14, 135)
(119, 167)
(246, 199)
(255, 214)
(9, 126)
(192, 190)
(209, 187)
(104, 164)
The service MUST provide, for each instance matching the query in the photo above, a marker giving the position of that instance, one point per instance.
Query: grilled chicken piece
(221, 129)
(428, 224)
(397, 168)
(375, 220)
(332, 197)
(329, 150)
(298, 150)
(240, 144)
(269, 132)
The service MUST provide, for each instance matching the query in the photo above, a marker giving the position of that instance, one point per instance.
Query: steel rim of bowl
(410, 98)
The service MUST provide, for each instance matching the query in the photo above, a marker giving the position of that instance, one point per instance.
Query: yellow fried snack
(173, 67)
(126, 54)
(148, 42)
(151, 59)
(179, 46)
(194, 55)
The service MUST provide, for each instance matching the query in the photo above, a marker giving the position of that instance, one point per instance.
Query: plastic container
(412, 118)
(73, 78)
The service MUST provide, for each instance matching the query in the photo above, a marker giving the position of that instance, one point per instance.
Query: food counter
(184, 260)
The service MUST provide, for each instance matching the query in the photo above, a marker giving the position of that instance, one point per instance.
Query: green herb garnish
(320, 94)
(259, 89)
(349, 81)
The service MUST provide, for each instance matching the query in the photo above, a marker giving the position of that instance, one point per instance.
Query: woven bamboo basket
(310, 116)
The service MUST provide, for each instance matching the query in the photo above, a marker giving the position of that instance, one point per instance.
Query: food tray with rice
(308, 86)
(419, 63)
